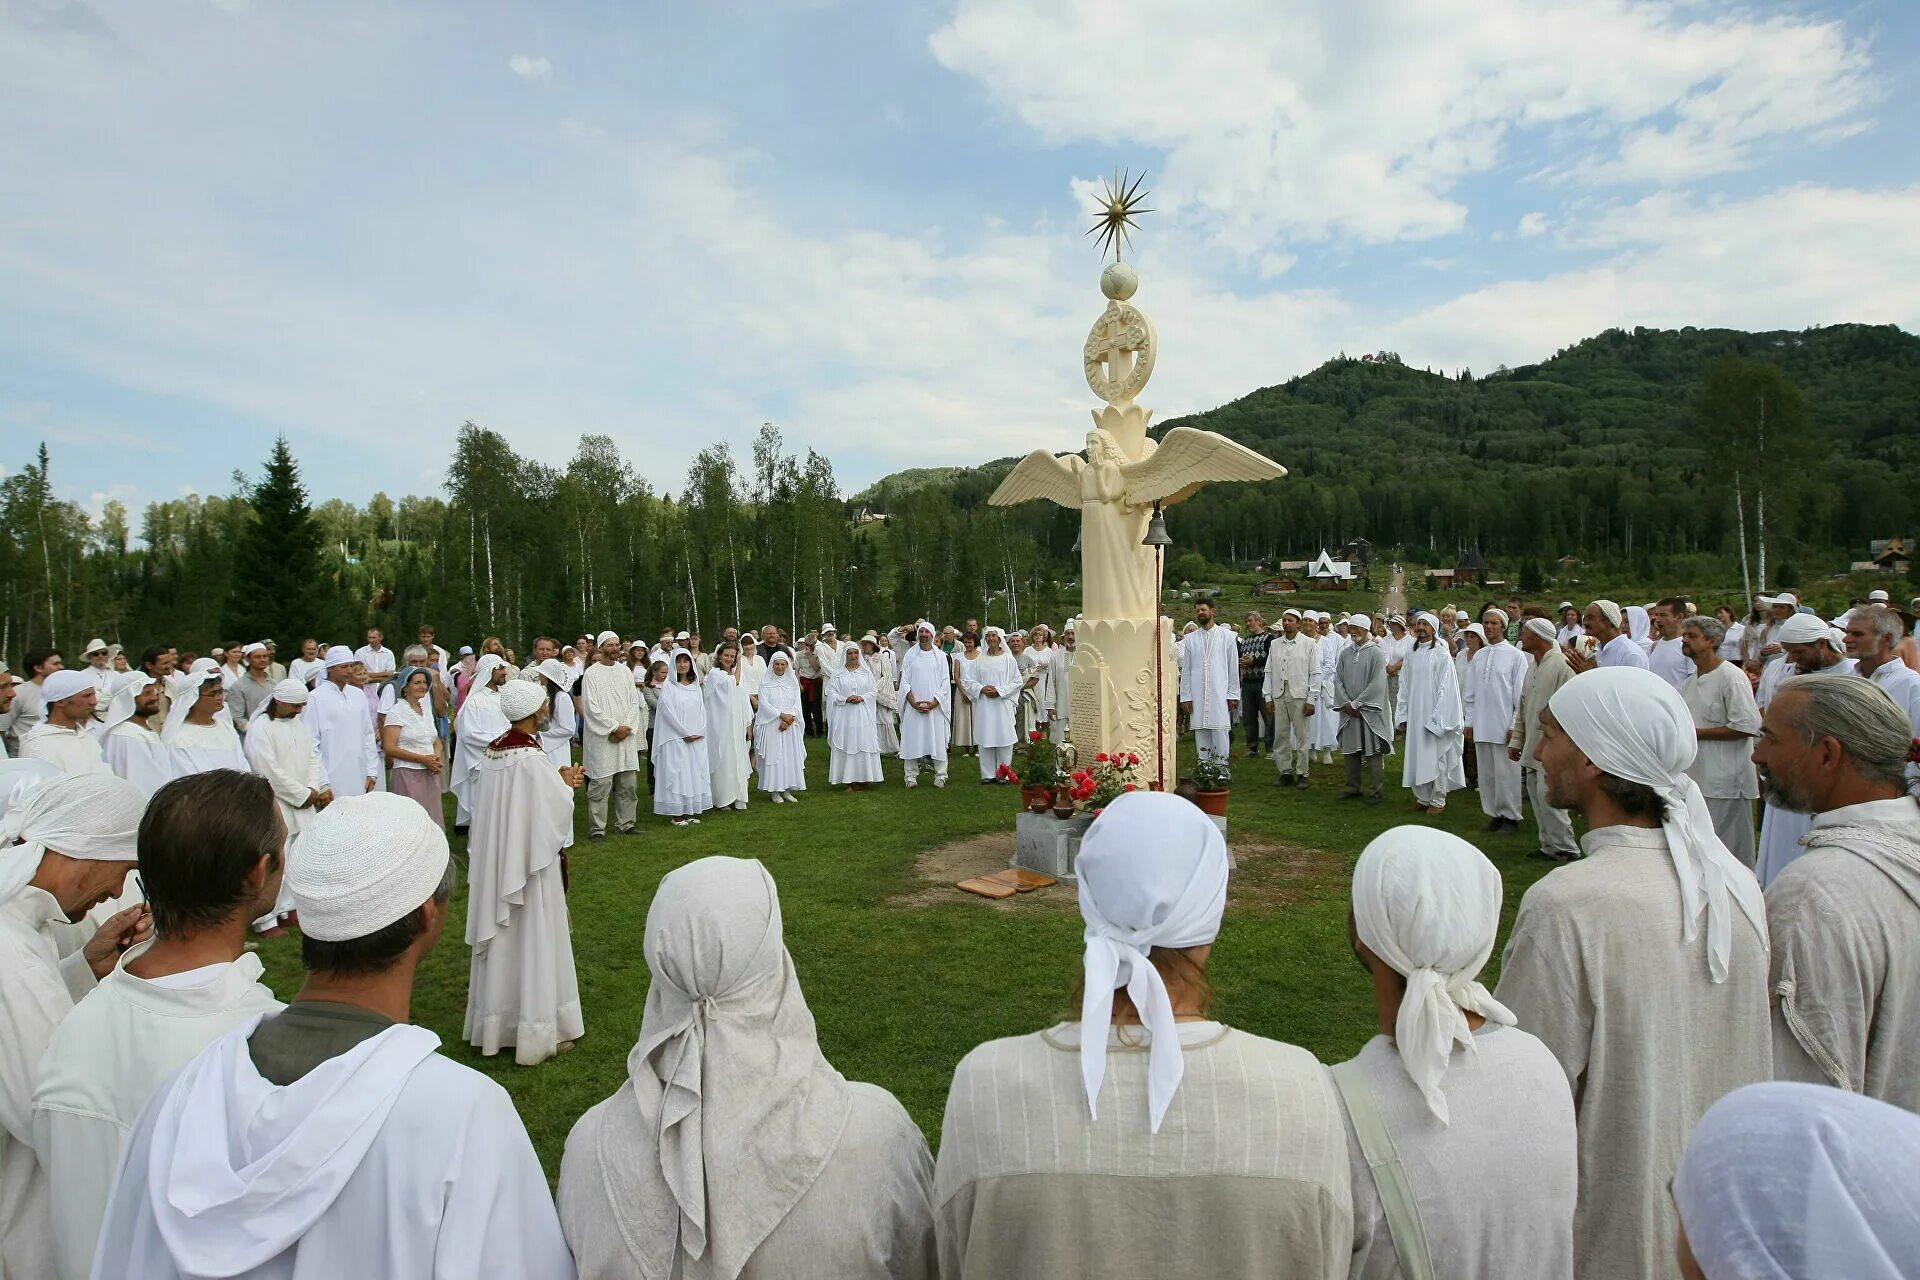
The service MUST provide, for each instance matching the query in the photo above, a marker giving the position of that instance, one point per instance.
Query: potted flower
(1212, 781)
(1036, 768)
(1109, 776)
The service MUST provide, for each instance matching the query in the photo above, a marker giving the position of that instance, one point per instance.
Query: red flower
(1102, 758)
(1132, 758)
(1034, 736)
(1129, 787)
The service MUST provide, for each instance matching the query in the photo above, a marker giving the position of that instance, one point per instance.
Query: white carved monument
(1125, 683)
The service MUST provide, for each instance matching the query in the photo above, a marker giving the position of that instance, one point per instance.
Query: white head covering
(365, 861)
(97, 645)
(184, 689)
(1639, 625)
(250, 650)
(1497, 611)
(743, 1110)
(291, 692)
(1361, 621)
(556, 671)
(1542, 628)
(337, 656)
(94, 816)
(1477, 631)
(1801, 1182)
(520, 699)
(126, 687)
(1428, 903)
(1610, 611)
(1153, 873)
(64, 684)
(1801, 628)
(605, 636)
(483, 672)
(1633, 725)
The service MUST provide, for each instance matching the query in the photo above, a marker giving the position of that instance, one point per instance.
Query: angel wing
(1041, 475)
(1188, 458)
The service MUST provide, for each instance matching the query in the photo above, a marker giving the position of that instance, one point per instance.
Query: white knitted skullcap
(364, 862)
(291, 692)
(520, 699)
(337, 656)
(1541, 627)
(605, 636)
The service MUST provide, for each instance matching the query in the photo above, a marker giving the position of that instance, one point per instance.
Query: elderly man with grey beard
(1843, 919)
(1873, 642)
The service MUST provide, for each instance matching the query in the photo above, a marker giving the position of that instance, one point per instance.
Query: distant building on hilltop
(1472, 568)
(1328, 574)
(1887, 555)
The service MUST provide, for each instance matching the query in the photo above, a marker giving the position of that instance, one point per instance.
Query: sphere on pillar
(1119, 281)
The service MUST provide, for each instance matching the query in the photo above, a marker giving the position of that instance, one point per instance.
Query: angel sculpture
(1116, 495)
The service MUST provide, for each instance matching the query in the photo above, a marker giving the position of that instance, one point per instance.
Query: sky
(362, 223)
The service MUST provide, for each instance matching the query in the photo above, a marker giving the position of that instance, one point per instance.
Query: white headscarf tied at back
(126, 687)
(1801, 1182)
(1632, 724)
(93, 816)
(483, 673)
(1153, 873)
(1428, 903)
(742, 1108)
(184, 688)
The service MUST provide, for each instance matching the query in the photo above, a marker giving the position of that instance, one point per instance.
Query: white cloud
(530, 68)
(1531, 224)
(1321, 120)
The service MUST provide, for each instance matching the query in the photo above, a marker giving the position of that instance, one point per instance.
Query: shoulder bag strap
(1389, 1175)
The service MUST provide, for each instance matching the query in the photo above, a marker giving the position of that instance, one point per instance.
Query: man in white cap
(1873, 642)
(128, 739)
(1844, 918)
(1545, 674)
(1435, 1101)
(1777, 609)
(1432, 715)
(1292, 689)
(1606, 625)
(250, 693)
(99, 669)
(329, 1139)
(1720, 698)
(1210, 683)
(1146, 1139)
(65, 737)
(522, 993)
(341, 723)
(926, 708)
(210, 849)
(614, 730)
(281, 750)
(733, 1147)
(1643, 966)
(75, 837)
(1808, 647)
(1496, 683)
(1366, 717)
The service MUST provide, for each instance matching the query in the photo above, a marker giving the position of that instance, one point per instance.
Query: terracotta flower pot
(1213, 802)
(1062, 805)
(1037, 799)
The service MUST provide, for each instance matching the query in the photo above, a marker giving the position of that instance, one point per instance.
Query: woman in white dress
(753, 667)
(682, 785)
(779, 736)
(199, 733)
(729, 728)
(879, 660)
(850, 701)
(962, 656)
(411, 744)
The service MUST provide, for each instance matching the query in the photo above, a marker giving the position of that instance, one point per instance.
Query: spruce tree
(278, 589)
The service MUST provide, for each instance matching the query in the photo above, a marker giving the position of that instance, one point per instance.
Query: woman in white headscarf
(199, 733)
(1449, 1081)
(879, 660)
(851, 701)
(735, 1149)
(1431, 712)
(779, 732)
(478, 723)
(1799, 1182)
(682, 783)
(1640, 628)
(729, 728)
(1146, 1139)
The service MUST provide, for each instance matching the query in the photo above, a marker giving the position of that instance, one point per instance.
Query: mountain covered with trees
(1650, 449)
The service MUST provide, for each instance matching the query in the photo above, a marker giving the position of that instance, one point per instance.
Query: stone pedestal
(1049, 845)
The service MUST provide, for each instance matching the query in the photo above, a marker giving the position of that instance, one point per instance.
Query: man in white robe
(1497, 679)
(1292, 690)
(829, 652)
(1874, 635)
(926, 708)
(993, 682)
(1605, 624)
(76, 835)
(1210, 683)
(341, 722)
(1844, 918)
(238, 1167)
(1668, 657)
(1807, 647)
(379, 663)
(1450, 1081)
(1546, 672)
(734, 1148)
(280, 749)
(199, 733)
(522, 992)
(477, 725)
(1643, 966)
(65, 737)
(615, 729)
(210, 861)
(1726, 720)
(1060, 683)
(1433, 717)
(128, 740)
(1328, 646)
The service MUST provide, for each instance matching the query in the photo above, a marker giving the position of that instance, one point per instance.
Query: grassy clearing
(904, 978)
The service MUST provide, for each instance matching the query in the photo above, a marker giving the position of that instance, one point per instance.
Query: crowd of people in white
(1680, 1071)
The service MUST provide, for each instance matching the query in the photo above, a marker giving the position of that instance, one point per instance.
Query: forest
(1784, 452)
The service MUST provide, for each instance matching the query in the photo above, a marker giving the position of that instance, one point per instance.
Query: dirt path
(1395, 598)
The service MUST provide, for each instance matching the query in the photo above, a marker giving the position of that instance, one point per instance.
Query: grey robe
(1360, 678)
(1843, 920)
(1597, 969)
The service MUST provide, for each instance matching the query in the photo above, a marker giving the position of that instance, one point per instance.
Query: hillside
(1591, 452)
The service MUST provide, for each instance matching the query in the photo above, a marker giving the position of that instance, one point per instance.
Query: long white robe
(135, 752)
(611, 699)
(780, 755)
(42, 983)
(1210, 676)
(926, 675)
(73, 750)
(853, 731)
(283, 752)
(480, 721)
(1498, 678)
(202, 748)
(521, 990)
(886, 690)
(993, 718)
(557, 738)
(729, 716)
(438, 1180)
(342, 728)
(682, 781)
(1060, 682)
(1430, 707)
(104, 1063)
(1597, 969)
(1326, 720)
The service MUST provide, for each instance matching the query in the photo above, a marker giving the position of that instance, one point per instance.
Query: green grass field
(904, 978)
